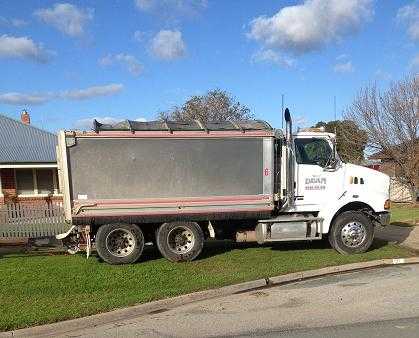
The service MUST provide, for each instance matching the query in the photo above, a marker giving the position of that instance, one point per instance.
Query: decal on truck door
(315, 183)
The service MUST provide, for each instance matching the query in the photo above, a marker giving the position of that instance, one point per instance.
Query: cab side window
(313, 151)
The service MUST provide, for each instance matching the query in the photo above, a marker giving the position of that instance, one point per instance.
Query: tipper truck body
(176, 184)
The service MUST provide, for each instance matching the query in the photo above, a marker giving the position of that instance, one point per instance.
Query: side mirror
(332, 162)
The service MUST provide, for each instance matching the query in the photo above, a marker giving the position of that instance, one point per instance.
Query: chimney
(25, 117)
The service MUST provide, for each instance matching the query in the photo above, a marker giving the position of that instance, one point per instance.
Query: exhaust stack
(290, 158)
(288, 125)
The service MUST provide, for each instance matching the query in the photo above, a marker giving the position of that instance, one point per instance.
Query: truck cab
(328, 186)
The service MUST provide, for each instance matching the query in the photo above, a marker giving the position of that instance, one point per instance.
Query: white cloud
(24, 48)
(14, 22)
(172, 8)
(272, 56)
(311, 25)
(87, 123)
(409, 15)
(106, 60)
(139, 36)
(91, 92)
(168, 45)
(344, 67)
(20, 99)
(342, 57)
(66, 17)
(144, 5)
(18, 22)
(15, 98)
(128, 61)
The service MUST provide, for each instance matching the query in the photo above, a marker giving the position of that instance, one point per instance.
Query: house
(28, 164)
(384, 163)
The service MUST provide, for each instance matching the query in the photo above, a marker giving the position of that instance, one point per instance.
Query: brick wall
(37, 200)
(8, 184)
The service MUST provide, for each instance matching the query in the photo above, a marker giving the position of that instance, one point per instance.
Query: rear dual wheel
(180, 241)
(124, 243)
(119, 243)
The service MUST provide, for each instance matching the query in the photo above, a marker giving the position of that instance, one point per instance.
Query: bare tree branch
(391, 122)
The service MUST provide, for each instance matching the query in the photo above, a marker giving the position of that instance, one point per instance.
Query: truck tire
(119, 243)
(352, 232)
(180, 241)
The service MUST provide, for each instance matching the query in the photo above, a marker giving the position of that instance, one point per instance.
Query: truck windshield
(315, 151)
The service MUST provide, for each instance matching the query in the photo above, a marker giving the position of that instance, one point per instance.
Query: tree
(350, 139)
(391, 120)
(216, 105)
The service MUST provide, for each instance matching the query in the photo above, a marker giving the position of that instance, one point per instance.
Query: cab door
(316, 185)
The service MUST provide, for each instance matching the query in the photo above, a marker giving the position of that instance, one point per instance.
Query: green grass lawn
(404, 214)
(43, 288)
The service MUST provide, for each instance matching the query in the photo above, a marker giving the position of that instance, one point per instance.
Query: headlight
(387, 205)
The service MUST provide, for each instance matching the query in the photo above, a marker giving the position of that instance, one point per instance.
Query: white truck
(177, 184)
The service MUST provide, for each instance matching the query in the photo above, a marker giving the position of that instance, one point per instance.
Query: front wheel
(119, 243)
(351, 232)
(180, 241)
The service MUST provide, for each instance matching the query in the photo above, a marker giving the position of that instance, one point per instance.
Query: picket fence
(32, 221)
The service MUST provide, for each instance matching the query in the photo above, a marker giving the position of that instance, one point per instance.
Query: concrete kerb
(299, 276)
(68, 326)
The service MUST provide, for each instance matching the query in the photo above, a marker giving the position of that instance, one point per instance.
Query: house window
(45, 181)
(36, 181)
(24, 182)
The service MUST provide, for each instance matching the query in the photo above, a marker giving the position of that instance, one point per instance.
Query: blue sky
(68, 62)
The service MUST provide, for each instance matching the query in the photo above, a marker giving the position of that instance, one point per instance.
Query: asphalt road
(372, 303)
(408, 327)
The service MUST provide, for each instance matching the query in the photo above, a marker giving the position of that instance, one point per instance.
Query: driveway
(403, 235)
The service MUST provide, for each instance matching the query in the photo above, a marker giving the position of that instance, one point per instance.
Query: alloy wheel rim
(353, 234)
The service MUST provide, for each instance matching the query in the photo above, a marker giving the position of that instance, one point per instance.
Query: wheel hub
(180, 240)
(120, 242)
(353, 234)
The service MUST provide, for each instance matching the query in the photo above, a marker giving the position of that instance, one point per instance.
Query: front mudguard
(383, 218)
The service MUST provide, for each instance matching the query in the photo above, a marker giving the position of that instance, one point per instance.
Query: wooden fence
(33, 221)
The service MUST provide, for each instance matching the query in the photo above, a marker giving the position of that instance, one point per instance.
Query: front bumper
(384, 218)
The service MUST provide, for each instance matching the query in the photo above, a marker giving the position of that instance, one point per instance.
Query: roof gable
(21, 143)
